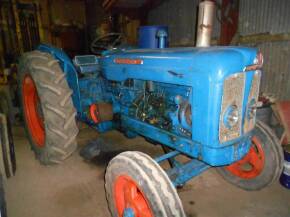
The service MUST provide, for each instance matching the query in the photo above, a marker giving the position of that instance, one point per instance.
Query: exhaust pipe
(205, 23)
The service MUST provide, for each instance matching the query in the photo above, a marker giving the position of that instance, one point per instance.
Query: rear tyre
(6, 106)
(261, 166)
(137, 186)
(3, 210)
(47, 107)
(7, 152)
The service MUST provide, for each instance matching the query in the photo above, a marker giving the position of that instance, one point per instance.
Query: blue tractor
(199, 102)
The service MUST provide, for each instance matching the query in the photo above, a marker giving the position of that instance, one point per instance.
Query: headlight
(231, 116)
(251, 109)
(231, 108)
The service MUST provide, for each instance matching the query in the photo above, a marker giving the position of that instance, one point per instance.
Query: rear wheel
(3, 210)
(261, 166)
(6, 105)
(47, 107)
(137, 186)
(7, 152)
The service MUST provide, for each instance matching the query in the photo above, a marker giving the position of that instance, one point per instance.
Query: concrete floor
(76, 188)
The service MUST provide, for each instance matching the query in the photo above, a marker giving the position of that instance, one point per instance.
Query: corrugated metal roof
(276, 70)
(270, 16)
(256, 16)
(264, 16)
(180, 16)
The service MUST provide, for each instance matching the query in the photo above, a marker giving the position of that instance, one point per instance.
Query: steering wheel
(106, 42)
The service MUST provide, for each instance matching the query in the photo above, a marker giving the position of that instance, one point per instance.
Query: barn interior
(64, 147)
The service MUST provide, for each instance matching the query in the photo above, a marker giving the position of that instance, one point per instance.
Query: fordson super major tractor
(199, 102)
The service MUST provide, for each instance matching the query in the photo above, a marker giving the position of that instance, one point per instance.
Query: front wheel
(137, 186)
(261, 166)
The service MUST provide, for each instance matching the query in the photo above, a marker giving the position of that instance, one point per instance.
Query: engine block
(162, 105)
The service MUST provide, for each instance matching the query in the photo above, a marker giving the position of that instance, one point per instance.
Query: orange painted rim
(251, 165)
(94, 113)
(32, 110)
(128, 195)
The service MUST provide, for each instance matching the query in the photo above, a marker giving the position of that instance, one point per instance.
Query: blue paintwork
(147, 36)
(167, 156)
(202, 70)
(213, 156)
(128, 212)
(285, 180)
(196, 75)
(285, 176)
(162, 35)
(179, 175)
(85, 89)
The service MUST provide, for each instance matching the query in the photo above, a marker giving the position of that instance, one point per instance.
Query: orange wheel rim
(32, 110)
(128, 195)
(94, 113)
(251, 165)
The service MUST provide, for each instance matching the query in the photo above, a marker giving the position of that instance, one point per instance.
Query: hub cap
(32, 110)
(130, 200)
(251, 165)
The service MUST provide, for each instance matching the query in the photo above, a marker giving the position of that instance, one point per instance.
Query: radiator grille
(250, 121)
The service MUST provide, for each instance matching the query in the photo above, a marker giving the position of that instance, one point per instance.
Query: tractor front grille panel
(252, 103)
(234, 95)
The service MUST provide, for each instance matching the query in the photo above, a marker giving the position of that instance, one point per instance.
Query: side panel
(211, 155)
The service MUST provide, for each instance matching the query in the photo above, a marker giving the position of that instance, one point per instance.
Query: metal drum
(148, 36)
(285, 177)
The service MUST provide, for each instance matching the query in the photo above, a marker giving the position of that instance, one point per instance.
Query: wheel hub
(32, 110)
(251, 165)
(128, 212)
(130, 200)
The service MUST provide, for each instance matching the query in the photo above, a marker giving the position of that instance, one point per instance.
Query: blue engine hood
(215, 62)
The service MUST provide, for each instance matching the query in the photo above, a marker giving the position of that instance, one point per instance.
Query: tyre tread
(277, 164)
(60, 126)
(165, 195)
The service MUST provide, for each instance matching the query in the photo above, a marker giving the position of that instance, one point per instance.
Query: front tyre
(137, 186)
(261, 166)
(47, 107)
